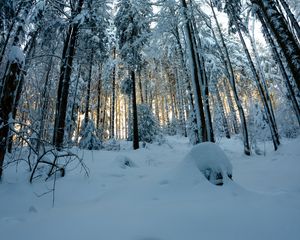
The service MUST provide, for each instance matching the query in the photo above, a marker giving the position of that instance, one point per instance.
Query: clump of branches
(41, 156)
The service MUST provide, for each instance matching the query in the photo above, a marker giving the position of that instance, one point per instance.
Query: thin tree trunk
(230, 73)
(224, 119)
(44, 106)
(88, 93)
(263, 81)
(272, 124)
(195, 78)
(113, 102)
(98, 99)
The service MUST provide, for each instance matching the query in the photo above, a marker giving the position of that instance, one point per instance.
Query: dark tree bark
(195, 78)
(88, 90)
(276, 55)
(99, 85)
(113, 102)
(134, 114)
(204, 83)
(64, 81)
(291, 17)
(11, 81)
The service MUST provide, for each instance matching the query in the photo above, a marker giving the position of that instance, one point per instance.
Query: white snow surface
(16, 55)
(162, 198)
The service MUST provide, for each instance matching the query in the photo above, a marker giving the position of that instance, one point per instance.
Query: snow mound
(16, 55)
(124, 162)
(210, 159)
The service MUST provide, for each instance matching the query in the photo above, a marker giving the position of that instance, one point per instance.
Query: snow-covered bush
(112, 145)
(172, 127)
(89, 139)
(258, 127)
(147, 124)
(126, 86)
(210, 159)
(124, 162)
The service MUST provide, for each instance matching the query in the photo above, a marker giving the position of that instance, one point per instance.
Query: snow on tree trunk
(16, 60)
(283, 36)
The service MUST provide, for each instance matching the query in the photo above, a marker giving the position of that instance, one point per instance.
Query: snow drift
(210, 159)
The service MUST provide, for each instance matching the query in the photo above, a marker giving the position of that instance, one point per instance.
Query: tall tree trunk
(28, 51)
(10, 31)
(44, 106)
(221, 107)
(64, 81)
(272, 124)
(283, 36)
(88, 90)
(276, 55)
(195, 77)
(11, 81)
(134, 114)
(204, 81)
(74, 109)
(263, 80)
(292, 18)
(98, 99)
(113, 101)
(140, 85)
(230, 73)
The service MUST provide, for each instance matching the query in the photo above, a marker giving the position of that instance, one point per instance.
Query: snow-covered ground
(159, 197)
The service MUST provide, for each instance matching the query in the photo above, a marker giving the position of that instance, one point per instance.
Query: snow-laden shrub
(112, 145)
(89, 139)
(126, 86)
(210, 159)
(258, 127)
(147, 124)
(287, 122)
(124, 162)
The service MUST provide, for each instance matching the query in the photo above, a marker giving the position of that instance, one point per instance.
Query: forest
(85, 79)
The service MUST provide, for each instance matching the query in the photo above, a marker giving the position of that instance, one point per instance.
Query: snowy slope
(159, 197)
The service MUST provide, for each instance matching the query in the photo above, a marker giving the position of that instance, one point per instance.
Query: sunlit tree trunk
(230, 75)
(222, 112)
(195, 78)
(272, 124)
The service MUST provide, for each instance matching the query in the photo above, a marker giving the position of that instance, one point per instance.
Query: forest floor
(157, 198)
